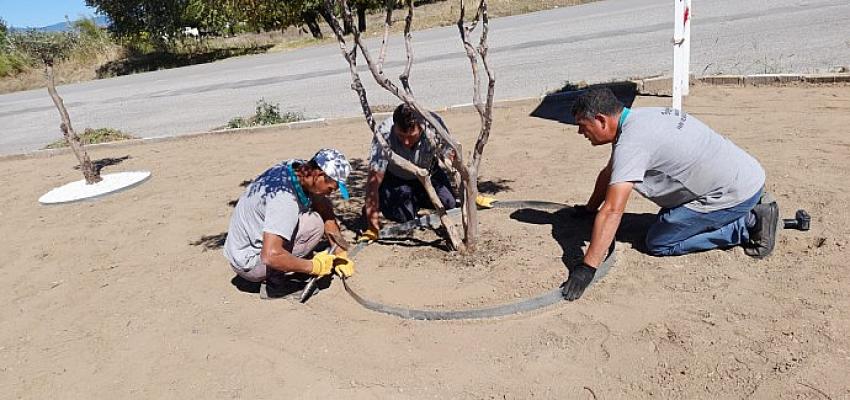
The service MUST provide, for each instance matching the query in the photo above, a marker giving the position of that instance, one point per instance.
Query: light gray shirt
(674, 159)
(269, 204)
(423, 154)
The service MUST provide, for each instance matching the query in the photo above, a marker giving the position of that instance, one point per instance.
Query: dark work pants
(401, 199)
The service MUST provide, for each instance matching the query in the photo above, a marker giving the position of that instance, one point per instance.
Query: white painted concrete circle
(78, 190)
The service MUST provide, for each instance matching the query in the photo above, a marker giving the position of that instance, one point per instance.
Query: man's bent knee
(655, 248)
(307, 235)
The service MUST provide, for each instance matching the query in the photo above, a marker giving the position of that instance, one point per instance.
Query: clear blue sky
(38, 13)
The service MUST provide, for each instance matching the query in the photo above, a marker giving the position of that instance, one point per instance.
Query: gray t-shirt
(270, 204)
(423, 154)
(674, 159)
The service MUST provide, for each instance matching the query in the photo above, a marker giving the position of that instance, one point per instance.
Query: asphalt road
(531, 54)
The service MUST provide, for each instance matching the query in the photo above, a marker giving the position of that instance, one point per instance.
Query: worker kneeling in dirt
(709, 190)
(282, 217)
(397, 193)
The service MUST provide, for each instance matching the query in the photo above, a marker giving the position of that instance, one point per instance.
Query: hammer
(802, 221)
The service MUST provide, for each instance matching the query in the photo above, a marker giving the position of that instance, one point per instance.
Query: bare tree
(49, 48)
(468, 172)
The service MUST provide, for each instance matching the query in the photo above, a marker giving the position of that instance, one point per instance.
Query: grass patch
(94, 136)
(265, 114)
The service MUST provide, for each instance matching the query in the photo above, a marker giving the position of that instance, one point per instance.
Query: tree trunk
(311, 19)
(91, 175)
(361, 18)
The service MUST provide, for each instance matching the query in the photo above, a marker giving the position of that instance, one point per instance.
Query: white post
(681, 50)
(686, 49)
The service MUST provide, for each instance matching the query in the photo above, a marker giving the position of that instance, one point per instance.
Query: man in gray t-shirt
(284, 214)
(709, 189)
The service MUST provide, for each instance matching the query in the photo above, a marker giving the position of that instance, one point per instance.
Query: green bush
(21, 51)
(94, 136)
(93, 40)
(265, 114)
(13, 63)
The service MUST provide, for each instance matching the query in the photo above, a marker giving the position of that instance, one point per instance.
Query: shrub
(265, 114)
(94, 136)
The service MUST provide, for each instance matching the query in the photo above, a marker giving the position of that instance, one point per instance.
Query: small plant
(265, 114)
(94, 136)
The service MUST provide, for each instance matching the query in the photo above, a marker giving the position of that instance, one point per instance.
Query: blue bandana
(302, 197)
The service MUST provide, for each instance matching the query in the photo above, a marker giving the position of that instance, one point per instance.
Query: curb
(663, 86)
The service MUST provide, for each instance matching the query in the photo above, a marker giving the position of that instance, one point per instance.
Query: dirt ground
(129, 296)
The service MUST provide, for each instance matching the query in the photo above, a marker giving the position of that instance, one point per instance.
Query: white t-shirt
(269, 204)
(674, 159)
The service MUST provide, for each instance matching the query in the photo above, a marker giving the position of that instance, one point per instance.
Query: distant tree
(162, 21)
(50, 48)
(159, 19)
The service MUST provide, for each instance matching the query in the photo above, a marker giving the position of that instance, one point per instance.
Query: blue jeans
(680, 230)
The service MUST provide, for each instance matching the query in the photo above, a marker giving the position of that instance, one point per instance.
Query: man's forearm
(373, 184)
(604, 229)
(286, 262)
(372, 214)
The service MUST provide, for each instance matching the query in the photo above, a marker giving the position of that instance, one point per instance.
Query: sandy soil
(129, 297)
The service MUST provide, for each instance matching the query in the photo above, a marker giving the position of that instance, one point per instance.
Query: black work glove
(579, 279)
(581, 211)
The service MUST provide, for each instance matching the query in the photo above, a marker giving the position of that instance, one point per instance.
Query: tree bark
(311, 19)
(361, 18)
(91, 175)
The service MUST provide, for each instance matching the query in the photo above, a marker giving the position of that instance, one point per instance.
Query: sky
(38, 13)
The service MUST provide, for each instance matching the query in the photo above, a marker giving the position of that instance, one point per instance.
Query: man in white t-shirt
(282, 217)
(709, 189)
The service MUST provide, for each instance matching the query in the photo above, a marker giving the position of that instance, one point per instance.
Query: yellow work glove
(370, 235)
(323, 263)
(344, 266)
(484, 201)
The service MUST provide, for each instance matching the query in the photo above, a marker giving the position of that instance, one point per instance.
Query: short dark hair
(596, 101)
(405, 117)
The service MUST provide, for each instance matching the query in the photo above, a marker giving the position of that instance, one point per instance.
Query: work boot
(763, 234)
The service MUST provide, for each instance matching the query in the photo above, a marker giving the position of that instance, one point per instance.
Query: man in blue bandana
(710, 191)
(282, 217)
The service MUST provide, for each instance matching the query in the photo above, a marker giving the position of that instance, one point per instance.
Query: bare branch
(451, 229)
(387, 24)
(89, 172)
(487, 113)
(408, 22)
(484, 109)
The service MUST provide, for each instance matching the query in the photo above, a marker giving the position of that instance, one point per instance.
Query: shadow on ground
(572, 232)
(162, 60)
(105, 162)
(494, 186)
(556, 105)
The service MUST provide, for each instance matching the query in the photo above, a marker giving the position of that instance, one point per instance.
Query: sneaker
(763, 234)
(281, 286)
